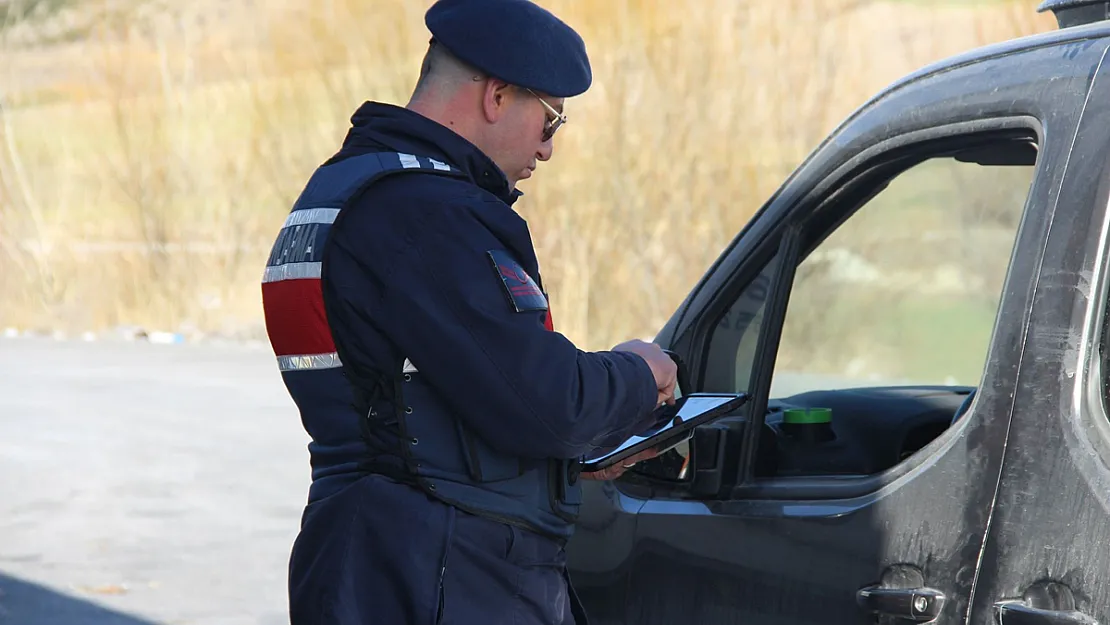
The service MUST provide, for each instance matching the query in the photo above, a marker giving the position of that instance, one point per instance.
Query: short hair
(440, 64)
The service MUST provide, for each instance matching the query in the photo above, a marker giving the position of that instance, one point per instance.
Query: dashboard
(869, 430)
(873, 428)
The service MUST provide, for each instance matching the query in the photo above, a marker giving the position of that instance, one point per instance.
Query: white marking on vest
(291, 271)
(294, 244)
(408, 161)
(409, 367)
(439, 166)
(309, 362)
(311, 216)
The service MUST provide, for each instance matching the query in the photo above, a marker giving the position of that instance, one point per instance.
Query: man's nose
(547, 148)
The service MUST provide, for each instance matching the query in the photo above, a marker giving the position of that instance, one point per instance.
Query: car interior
(870, 430)
(835, 431)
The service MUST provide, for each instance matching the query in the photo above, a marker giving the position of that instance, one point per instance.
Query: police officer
(412, 329)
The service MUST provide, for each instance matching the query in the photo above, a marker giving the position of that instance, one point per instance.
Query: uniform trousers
(381, 552)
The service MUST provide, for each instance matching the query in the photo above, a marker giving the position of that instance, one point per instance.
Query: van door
(1047, 555)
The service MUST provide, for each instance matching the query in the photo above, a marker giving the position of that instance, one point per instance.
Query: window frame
(1089, 416)
(818, 213)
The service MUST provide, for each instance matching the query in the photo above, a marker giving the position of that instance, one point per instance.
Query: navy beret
(514, 40)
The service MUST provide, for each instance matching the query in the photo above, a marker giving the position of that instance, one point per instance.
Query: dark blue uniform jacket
(408, 274)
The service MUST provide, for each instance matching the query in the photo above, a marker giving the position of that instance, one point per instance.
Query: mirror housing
(714, 461)
(701, 472)
(715, 456)
(708, 450)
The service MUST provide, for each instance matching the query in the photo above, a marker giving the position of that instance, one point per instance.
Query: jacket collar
(398, 129)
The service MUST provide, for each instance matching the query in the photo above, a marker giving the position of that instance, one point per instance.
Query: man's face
(522, 137)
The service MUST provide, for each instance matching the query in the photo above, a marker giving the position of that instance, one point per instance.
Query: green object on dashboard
(807, 415)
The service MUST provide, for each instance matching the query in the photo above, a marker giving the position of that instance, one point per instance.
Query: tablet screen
(688, 408)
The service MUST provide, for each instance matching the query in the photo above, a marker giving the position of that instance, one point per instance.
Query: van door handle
(1021, 613)
(919, 605)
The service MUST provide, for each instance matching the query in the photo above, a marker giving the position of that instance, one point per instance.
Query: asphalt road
(145, 484)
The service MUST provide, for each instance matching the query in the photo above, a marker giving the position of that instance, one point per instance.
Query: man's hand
(618, 469)
(662, 367)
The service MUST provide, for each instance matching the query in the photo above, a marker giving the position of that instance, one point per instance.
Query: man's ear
(496, 98)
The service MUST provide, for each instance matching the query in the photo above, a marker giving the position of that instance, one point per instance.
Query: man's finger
(604, 475)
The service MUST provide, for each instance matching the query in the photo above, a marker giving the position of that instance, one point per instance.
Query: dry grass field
(149, 151)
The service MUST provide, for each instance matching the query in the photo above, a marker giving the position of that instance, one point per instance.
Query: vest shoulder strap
(296, 256)
(333, 184)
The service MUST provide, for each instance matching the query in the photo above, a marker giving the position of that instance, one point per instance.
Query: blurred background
(150, 150)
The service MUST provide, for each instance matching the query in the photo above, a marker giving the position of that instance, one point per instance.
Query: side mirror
(709, 457)
(701, 466)
(711, 462)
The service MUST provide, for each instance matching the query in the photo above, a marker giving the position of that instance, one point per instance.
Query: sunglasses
(552, 123)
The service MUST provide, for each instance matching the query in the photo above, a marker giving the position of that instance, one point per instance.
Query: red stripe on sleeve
(295, 318)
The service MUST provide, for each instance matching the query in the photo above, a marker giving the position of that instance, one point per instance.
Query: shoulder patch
(524, 295)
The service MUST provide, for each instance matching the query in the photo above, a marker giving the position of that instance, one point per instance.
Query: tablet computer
(688, 413)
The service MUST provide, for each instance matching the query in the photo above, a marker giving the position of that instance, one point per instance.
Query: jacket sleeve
(526, 390)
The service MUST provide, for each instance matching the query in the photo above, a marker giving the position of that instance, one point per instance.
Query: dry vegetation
(146, 165)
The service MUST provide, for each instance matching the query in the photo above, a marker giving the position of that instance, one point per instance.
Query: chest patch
(524, 295)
